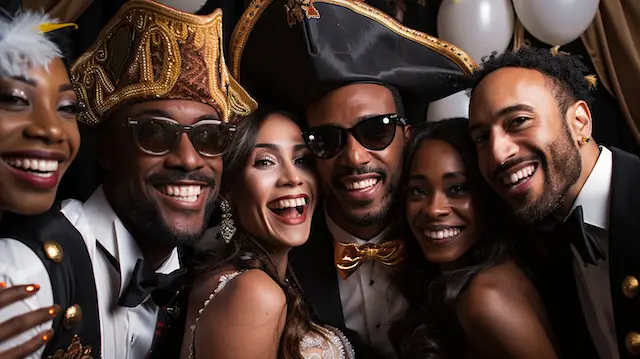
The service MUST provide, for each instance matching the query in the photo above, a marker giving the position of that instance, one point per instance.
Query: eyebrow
(448, 175)
(275, 147)
(24, 80)
(152, 112)
(65, 87)
(503, 112)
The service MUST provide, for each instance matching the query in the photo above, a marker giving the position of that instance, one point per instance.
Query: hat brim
(291, 52)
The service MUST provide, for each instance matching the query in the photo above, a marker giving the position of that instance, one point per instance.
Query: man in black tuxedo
(358, 77)
(530, 117)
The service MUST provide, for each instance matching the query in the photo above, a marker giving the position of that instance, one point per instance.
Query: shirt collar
(594, 197)
(343, 236)
(116, 239)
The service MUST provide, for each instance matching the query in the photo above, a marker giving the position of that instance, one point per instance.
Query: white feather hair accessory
(24, 44)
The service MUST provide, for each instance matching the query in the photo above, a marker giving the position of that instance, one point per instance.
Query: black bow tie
(574, 230)
(144, 281)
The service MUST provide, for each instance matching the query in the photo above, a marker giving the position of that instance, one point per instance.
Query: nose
(46, 127)
(290, 176)
(437, 206)
(353, 154)
(185, 156)
(502, 148)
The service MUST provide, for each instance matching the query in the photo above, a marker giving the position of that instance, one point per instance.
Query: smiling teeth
(443, 234)
(34, 164)
(520, 175)
(182, 193)
(362, 184)
(289, 203)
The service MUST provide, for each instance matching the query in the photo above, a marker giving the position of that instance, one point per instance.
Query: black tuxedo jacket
(557, 284)
(315, 273)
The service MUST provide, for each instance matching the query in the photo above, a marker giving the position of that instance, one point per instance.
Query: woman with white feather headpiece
(39, 138)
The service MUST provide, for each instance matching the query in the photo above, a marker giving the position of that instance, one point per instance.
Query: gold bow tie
(349, 256)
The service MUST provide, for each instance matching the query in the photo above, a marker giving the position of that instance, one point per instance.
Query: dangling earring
(227, 225)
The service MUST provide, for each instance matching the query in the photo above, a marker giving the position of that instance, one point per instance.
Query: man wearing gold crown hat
(156, 88)
(358, 77)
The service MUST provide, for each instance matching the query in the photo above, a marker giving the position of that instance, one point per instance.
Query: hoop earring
(227, 225)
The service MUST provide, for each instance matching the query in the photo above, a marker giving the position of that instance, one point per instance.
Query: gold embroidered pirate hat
(290, 52)
(149, 51)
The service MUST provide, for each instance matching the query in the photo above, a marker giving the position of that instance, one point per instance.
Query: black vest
(64, 254)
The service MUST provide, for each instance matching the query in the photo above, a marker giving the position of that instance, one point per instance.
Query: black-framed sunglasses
(160, 135)
(375, 133)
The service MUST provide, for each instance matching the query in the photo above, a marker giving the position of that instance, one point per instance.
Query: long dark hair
(246, 252)
(430, 328)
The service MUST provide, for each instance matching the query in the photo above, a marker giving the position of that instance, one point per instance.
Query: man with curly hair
(530, 117)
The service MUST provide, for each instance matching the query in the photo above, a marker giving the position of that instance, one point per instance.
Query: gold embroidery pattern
(297, 10)
(252, 15)
(75, 351)
(150, 51)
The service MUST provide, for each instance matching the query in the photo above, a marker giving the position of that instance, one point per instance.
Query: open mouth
(44, 168)
(184, 193)
(289, 207)
(515, 178)
(443, 234)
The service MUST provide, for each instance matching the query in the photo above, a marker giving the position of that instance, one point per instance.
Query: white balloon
(456, 105)
(556, 22)
(479, 27)
(189, 6)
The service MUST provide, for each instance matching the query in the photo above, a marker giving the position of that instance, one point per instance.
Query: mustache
(176, 176)
(513, 162)
(342, 171)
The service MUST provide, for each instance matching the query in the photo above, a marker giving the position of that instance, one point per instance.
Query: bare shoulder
(503, 288)
(253, 291)
(501, 312)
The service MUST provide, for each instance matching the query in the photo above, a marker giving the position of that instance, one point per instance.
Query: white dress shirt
(127, 333)
(593, 282)
(370, 303)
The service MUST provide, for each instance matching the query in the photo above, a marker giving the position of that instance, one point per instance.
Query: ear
(408, 133)
(580, 121)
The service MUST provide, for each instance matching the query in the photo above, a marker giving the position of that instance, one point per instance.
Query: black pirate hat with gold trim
(290, 52)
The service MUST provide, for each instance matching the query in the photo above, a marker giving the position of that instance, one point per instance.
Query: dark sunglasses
(375, 133)
(161, 135)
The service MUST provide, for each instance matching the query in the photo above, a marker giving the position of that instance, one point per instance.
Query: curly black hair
(567, 72)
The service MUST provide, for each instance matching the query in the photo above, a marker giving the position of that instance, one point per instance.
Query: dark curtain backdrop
(610, 128)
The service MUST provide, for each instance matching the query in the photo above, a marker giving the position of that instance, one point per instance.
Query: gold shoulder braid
(149, 51)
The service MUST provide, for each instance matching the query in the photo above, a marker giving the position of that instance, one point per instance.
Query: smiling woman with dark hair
(470, 299)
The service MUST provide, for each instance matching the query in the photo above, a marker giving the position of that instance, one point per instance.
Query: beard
(391, 185)
(142, 217)
(561, 172)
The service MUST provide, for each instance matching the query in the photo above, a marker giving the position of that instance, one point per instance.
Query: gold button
(72, 316)
(632, 342)
(53, 251)
(630, 286)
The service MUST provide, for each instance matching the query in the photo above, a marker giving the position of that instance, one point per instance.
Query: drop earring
(227, 225)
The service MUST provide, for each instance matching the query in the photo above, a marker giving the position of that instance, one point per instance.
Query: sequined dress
(326, 343)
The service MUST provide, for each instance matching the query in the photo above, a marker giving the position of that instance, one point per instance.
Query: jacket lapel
(314, 270)
(624, 248)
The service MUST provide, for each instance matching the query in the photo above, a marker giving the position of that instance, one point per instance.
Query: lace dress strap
(222, 282)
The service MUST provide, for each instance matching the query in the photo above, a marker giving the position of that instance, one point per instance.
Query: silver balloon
(556, 22)
(189, 6)
(456, 105)
(479, 27)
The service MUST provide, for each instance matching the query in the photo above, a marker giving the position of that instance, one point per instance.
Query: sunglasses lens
(375, 133)
(211, 139)
(156, 136)
(325, 141)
